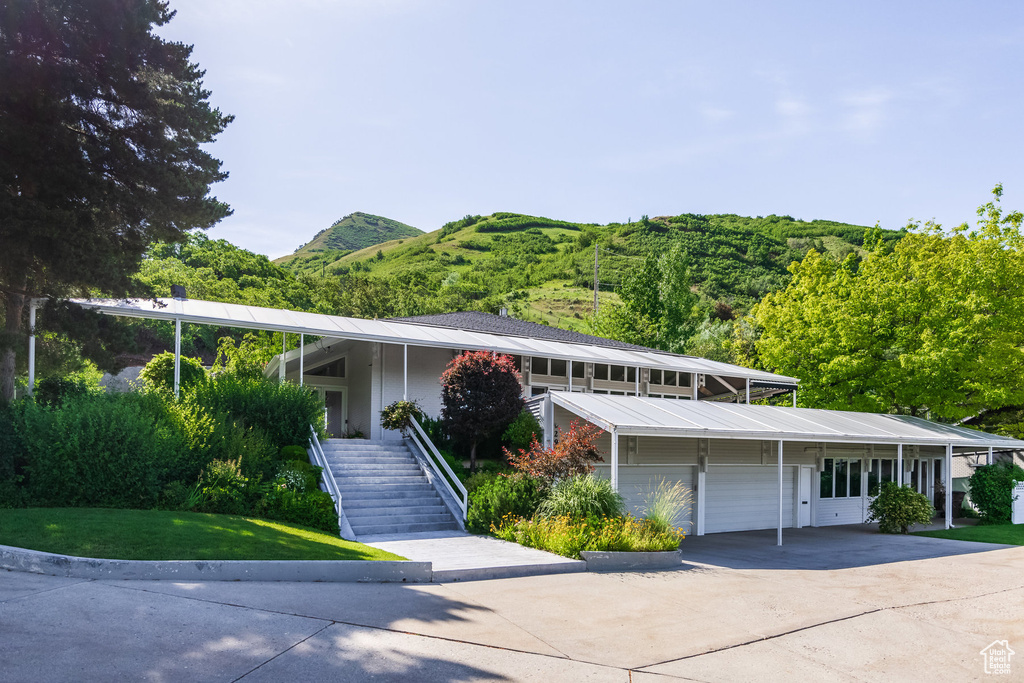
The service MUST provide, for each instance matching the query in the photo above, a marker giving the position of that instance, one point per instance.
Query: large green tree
(102, 127)
(933, 326)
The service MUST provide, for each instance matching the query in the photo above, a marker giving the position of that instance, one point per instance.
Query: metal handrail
(428, 449)
(320, 460)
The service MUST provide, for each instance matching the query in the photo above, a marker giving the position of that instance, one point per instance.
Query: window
(579, 369)
(618, 373)
(333, 369)
(539, 366)
(557, 367)
(841, 478)
(669, 378)
(600, 372)
(881, 470)
(655, 376)
(631, 374)
(518, 362)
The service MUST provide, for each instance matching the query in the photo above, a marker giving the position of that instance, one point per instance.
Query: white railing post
(439, 465)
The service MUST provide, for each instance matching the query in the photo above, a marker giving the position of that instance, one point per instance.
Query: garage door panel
(743, 498)
(636, 480)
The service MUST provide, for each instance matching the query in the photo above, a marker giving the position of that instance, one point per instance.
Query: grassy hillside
(353, 232)
(546, 267)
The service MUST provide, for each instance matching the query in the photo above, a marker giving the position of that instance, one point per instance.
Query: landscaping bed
(120, 534)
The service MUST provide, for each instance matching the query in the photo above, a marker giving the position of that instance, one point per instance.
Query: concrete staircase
(383, 489)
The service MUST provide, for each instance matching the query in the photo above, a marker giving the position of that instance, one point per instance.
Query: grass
(1008, 534)
(165, 535)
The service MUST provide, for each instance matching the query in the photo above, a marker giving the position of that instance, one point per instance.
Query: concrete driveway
(910, 619)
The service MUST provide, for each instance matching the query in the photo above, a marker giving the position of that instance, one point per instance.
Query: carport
(811, 431)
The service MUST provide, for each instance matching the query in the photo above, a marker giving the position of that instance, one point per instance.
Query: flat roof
(632, 415)
(393, 332)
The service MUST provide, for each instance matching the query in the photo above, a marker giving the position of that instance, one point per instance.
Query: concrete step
(383, 493)
(359, 522)
(374, 530)
(398, 479)
(423, 500)
(371, 459)
(374, 467)
(395, 510)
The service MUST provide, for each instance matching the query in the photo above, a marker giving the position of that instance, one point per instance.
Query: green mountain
(353, 232)
(545, 267)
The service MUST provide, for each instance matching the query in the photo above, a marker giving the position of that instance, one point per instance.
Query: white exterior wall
(359, 371)
(425, 367)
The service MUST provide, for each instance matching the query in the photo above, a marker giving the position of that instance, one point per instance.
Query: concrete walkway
(458, 556)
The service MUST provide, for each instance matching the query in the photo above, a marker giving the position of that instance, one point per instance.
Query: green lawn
(1009, 534)
(164, 535)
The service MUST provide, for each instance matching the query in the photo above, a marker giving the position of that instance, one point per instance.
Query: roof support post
(549, 421)
(177, 356)
(31, 346)
(638, 380)
(615, 458)
(794, 398)
(284, 358)
(949, 486)
(899, 464)
(780, 493)
(703, 452)
(405, 372)
(748, 391)
(693, 385)
(988, 461)
(302, 357)
(570, 375)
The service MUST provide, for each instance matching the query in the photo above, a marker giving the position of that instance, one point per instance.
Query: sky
(863, 112)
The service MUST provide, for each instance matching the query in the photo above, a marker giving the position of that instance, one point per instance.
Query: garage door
(745, 497)
(636, 480)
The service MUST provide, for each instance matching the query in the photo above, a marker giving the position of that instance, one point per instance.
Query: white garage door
(637, 480)
(745, 497)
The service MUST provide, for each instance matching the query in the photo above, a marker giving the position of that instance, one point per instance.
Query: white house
(665, 416)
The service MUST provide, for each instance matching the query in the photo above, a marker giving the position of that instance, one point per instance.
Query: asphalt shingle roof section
(477, 321)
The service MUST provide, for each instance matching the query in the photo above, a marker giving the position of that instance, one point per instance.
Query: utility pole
(596, 249)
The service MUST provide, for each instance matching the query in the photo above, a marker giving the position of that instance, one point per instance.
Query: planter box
(604, 561)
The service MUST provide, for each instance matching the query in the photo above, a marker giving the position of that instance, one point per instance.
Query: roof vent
(178, 292)
(503, 312)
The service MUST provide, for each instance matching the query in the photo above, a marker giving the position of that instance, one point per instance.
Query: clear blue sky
(423, 112)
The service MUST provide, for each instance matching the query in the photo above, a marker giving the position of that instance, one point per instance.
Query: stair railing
(320, 460)
(440, 467)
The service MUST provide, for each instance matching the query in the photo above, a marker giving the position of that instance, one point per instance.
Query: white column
(570, 376)
(302, 357)
(988, 461)
(284, 359)
(177, 356)
(405, 372)
(638, 381)
(748, 391)
(31, 346)
(549, 421)
(899, 464)
(794, 398)
(949, 486)
(615, 459)
(702, 477)
(780, 493)
(693, 385)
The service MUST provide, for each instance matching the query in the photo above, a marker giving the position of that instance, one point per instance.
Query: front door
(336, 409)
(806, 476)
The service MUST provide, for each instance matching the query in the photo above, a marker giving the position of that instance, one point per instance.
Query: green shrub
(51, 391)
(298, 475)
(522, 432)
(992, 491)
(583, 495)
(12, 456)
(569, 536)
(399, 415)
(282, 411)
(314, 509)
(896, 508)
(225, 489)
(159, 372)
(496, 495)
(294, 453)
(97, 451)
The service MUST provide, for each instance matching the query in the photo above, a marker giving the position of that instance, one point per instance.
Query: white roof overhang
(390, 332)
(641, 416)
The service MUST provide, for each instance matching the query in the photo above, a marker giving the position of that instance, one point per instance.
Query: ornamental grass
(568, 536)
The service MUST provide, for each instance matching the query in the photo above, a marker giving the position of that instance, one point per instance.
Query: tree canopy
(933, 326)
(102, 127)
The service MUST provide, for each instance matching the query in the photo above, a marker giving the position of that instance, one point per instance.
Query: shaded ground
(907, 619)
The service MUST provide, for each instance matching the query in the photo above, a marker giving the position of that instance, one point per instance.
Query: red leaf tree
(481, 395)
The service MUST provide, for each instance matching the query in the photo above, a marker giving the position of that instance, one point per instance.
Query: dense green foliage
(104, 138)
(399, 415)
(353, 232)
(171, 535)
(897, 508)
(159, 372)
(583, 495)
(569, 536)
(495, 496)
(932, 327)
(991, 489)
(523, 431)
